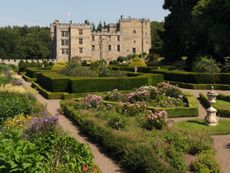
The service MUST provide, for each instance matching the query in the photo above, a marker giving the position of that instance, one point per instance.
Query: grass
(198, 125)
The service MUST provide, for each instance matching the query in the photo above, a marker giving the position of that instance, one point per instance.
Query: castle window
(118, 38)
(64, 42)
(80, 49)
(64, 33)
(65, 51)
(80, 31)
(93, 38)
(134, 41)
(110, 48)
(80, 41)
(134, 31)
(110, 37)
(134, 50)
(118, 48)
(93, 47)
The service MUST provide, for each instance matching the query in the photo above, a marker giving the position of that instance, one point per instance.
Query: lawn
(198, 125)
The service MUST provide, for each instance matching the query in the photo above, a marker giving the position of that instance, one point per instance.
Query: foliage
(19, 121)
(192, 30)
(205, 64)
(156, 27)
(205, 163)
(12, 104)
(156, 120)
(74, 68)
(24, 42)
(58, 66)
(137, 62)
(19, 155)
(118, 123)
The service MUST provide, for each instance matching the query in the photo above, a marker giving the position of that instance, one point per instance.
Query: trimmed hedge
(223, 107)
(33, 71)
(47, 94)
(136, 157)
(55, 82)
(201, 86)
(195, 78)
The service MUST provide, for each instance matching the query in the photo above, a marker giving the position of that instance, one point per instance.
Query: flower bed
(130, 133)
(32, 141)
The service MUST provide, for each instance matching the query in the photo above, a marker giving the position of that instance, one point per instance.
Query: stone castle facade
(126, 37)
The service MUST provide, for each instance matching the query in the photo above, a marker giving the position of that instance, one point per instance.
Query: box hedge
(195, 78)
(201, 86)
(55, 82)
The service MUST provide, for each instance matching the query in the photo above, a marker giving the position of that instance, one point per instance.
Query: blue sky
(43, 12)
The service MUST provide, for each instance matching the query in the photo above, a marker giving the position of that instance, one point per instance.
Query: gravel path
(105, 163)
(221, 144)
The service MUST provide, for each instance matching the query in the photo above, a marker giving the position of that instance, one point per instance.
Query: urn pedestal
(211, 119)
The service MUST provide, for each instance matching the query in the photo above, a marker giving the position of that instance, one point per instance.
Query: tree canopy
(196, 28)
(24, 42)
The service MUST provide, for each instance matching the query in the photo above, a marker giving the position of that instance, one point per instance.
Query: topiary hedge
(195, 78)
(55, 82)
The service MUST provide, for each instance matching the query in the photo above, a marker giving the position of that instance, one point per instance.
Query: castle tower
(135, 36)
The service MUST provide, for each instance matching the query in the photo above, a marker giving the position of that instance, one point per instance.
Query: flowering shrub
(133, 109)
(118, 123)
(144, 93)
(20, 121)
(115, 95)
(38, 126)
(169, 90)
(167, 102)
(156, 120)
(92, 101)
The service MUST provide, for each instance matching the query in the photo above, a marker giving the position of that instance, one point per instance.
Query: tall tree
(156, 27)
(178, 25)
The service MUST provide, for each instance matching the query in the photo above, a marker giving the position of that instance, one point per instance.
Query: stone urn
(211, 119)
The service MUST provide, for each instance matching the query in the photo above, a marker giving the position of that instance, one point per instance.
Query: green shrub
(137, 62)
(205, 163)
(58, 66)
(118, 123)
(73, 68)
(19, 155)
(12, 104)
(205, 64)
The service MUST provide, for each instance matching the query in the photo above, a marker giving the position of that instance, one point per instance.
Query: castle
(126, 37)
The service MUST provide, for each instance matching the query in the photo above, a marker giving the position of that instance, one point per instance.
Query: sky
(44, 12)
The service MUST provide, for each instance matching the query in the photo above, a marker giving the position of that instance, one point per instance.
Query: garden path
(105, 163)
(221, 143)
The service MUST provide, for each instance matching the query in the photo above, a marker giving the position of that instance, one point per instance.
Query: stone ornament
(211, 119)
